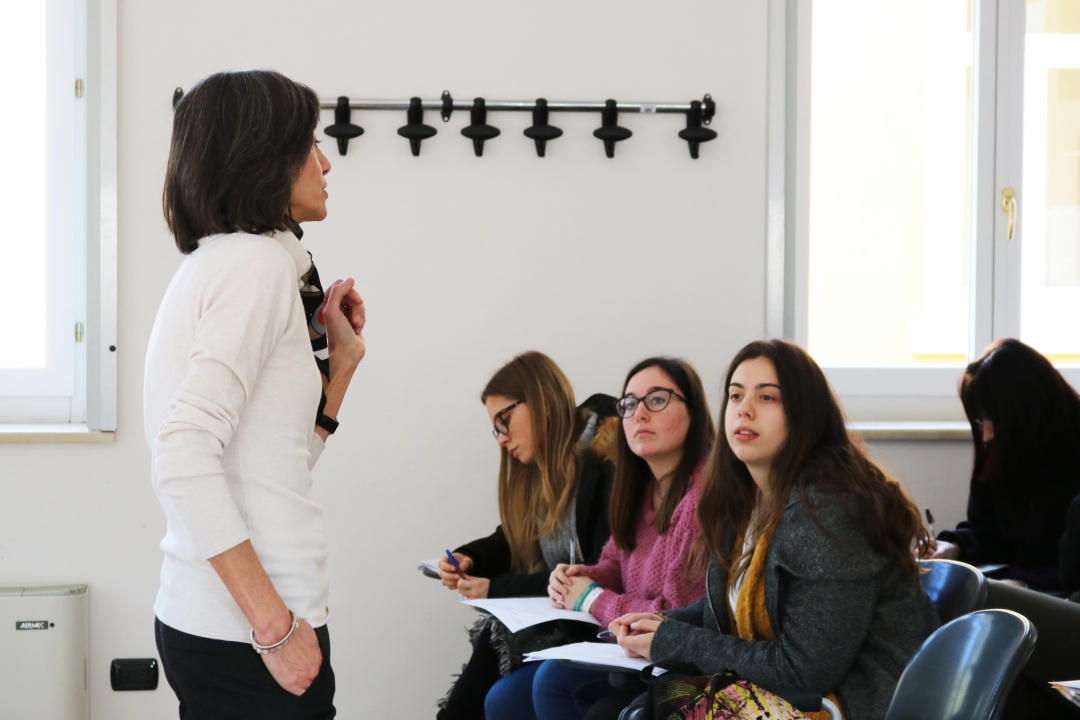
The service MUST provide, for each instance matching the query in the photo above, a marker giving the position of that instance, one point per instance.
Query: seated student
(1025, 420)
(813, 585)
(554, 482)
(1070, 553)
(648, 564)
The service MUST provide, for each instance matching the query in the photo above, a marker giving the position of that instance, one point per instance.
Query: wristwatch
(326, 422)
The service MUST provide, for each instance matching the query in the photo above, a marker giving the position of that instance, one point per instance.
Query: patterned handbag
(714, 697)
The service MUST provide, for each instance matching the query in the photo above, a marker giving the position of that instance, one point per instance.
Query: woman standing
(813, 584)
(1025, 423)
(554, 482)
(236, 410)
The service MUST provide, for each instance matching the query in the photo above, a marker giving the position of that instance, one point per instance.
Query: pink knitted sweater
(651, 577)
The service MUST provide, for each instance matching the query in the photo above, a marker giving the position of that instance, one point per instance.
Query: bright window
(1050, 277)
(890, 182)
(931, 188)
(57, 201)
(22, 187)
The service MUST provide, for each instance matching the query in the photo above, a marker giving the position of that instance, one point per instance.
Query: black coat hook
(177, 94)
(416, 130)
(610, 132)
(708, 109)
(343, 129)
(447, 106)
(694, 133)
(540, 131)
(479, 131)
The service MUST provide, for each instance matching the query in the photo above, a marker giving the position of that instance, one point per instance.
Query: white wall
(463, 262)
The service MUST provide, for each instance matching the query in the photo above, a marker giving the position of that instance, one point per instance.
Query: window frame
(997, 163)
(89, 404)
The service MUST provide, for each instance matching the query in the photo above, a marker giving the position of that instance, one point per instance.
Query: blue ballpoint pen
(454, 562)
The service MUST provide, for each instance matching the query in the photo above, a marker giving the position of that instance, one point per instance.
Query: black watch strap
(326, 422)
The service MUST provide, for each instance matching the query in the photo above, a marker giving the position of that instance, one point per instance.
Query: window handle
(1008, 204)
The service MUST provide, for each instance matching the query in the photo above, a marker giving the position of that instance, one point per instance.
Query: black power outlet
(134, 674)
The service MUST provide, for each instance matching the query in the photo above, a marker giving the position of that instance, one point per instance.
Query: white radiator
(43, 653)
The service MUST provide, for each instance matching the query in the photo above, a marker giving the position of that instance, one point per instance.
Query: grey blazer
(847, 620)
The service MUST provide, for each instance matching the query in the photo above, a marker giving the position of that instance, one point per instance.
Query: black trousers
(222, 680)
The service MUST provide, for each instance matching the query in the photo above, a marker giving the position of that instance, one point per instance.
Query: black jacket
(1027, 536)
(491, 555)
(1070, 550)
(846, 618)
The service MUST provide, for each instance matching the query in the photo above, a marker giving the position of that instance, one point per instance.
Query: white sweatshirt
(229, 402)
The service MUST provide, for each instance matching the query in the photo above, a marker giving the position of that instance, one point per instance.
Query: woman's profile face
(652, 435)
(755, 423)
(308, 199)
(518, 440)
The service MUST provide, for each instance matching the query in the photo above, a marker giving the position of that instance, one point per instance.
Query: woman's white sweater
(230, 395)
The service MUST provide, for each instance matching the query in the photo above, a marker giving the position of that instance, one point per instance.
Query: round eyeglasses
(655, 400)
(502, 420)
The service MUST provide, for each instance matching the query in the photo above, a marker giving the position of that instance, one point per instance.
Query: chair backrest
(955, 588)
(965, 670)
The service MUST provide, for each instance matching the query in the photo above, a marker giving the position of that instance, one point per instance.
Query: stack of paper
(519, 613)
(1070, 689)
(608, 655)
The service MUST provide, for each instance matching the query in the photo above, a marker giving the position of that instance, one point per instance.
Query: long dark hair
(239, 142)
(818, 450)
(632, 473)
(533, 498)
(1034, 411)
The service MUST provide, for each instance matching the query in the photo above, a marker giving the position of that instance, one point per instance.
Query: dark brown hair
(1034, 411)
(632, 473)
(818, 450)
(533, 498)
(239, 142)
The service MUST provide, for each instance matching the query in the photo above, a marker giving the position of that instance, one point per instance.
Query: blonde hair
(534, 498)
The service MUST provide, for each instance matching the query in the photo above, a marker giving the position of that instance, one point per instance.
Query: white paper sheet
(1071, 684)
(988, 568)
(432, 565)
(593, 653)
(519, 613)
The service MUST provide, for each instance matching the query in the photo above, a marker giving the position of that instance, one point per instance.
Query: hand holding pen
(472, 588)
(450, 569)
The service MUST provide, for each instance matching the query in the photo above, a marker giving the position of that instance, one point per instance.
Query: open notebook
(519, 613)
(607, 656)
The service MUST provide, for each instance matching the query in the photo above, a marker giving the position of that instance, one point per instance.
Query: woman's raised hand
(344, 315)
(448, 574)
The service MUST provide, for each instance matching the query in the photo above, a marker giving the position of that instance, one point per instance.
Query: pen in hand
(605, 635)
(930, 521)
(454, 562)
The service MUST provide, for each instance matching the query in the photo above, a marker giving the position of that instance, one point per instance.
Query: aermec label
(31, 624)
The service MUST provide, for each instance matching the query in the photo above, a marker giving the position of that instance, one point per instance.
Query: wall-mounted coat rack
(699, 113)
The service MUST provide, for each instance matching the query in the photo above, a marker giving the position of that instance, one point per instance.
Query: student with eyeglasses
(649, 565)
(555, 478)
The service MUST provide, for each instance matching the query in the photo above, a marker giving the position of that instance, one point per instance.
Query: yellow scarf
(751, 621)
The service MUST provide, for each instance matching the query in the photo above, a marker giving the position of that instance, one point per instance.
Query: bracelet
(587, 606)
(584, 594)
(267, 649)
